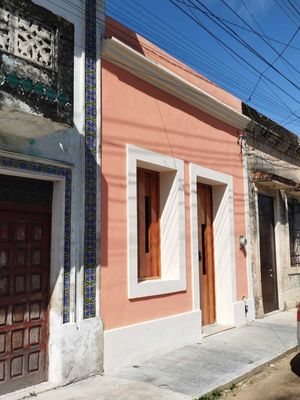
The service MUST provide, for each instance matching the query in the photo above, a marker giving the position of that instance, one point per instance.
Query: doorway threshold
(272, 313)
(213, 329)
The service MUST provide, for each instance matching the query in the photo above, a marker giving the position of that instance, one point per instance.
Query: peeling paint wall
(36, 61)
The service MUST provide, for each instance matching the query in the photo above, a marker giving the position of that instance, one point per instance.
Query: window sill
(293, 270)
(156, 287)
(149, 278)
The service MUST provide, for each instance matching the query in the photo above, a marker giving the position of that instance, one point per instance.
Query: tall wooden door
(24, 278)
(206, 254)
(267, 253)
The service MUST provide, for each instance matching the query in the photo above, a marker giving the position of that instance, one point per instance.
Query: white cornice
(120, 54)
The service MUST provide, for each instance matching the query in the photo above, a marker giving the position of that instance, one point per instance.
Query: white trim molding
(120, 54)
(135, 343)
(172, 223)
(224, 246)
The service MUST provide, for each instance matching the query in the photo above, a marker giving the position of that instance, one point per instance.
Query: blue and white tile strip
(41, 168)
(89, 301)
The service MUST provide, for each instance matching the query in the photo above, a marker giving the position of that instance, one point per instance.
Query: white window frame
(172, 223)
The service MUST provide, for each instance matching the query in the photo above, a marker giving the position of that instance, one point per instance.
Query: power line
(108, 23)
(292, 113)
(251, 30)
(290, 6)
(279, 55)
(223, 81)
(284, 11)
(121, 31)
(287, 45)
(265, 77)
(241, 41)
(220, 41)
(264, 100)
(268, 44)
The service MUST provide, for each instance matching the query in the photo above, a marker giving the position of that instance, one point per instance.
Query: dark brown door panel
(267, 253)
(24, 280)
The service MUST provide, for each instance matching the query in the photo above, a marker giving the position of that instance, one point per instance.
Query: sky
(253, 51)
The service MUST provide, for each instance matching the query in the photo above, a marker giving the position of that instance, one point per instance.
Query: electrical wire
(270, 101)
(231, 51)
(244, 88)
(293, 9)
(279, 55)
(270, 46)
(69, 2)
(284, 11)
(287, 45)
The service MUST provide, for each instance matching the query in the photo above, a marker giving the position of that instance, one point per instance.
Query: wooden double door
(24, 280)
(206, 254)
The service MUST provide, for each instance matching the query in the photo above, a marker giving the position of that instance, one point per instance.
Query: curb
(251, 373)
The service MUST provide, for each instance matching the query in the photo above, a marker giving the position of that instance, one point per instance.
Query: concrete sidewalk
(191, 371)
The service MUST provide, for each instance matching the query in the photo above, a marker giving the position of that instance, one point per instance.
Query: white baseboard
(240, 315)
(134, 343)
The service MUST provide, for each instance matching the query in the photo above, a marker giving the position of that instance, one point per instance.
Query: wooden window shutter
(148, 224)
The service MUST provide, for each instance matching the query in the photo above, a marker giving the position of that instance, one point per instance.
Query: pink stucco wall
(135, 112)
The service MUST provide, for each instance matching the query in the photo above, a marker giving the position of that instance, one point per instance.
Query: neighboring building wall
(273, 158)
(68, 156)
(142, 122)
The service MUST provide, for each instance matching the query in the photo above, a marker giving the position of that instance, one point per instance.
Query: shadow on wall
(104, 221)
(243, 251)
(162, 96)
(295, 364)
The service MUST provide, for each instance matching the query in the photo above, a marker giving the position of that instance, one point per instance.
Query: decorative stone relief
(25, 37)
(36, 63)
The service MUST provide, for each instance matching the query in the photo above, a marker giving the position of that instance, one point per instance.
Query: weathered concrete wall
(263, 156)
(36, 61)
(278, 158)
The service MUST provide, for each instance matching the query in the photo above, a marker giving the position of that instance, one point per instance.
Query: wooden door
(148, 224)
(24, 280)
(267, 253)
(206, 254)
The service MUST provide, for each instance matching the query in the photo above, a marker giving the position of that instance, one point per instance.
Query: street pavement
(278, 381)
(191, 371)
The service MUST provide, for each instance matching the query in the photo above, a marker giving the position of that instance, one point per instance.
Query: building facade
(143, 238)
(50, 327)
(272, 159)
(173, 261)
